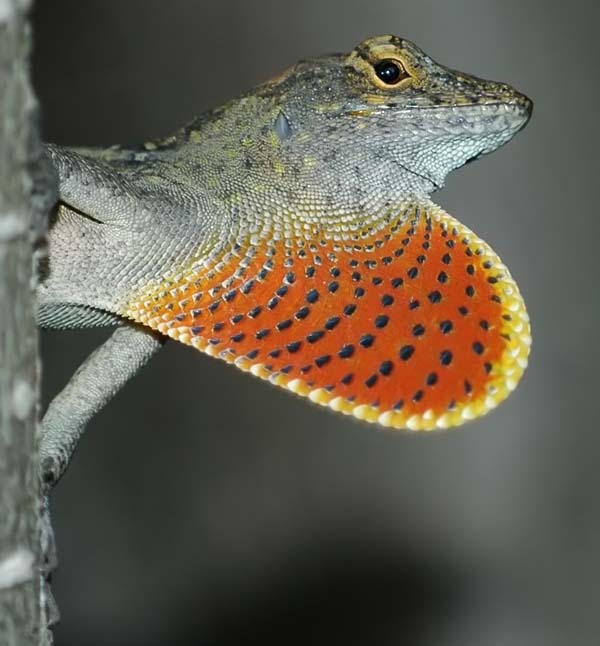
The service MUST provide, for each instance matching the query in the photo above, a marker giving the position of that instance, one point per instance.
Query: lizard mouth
(487, 126)
(474, 158)
(452, 118)
(465, 133)
(481, 119)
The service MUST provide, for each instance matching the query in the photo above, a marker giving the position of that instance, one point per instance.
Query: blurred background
(216, 510)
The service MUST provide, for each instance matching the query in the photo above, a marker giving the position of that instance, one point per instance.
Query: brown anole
(290, 233)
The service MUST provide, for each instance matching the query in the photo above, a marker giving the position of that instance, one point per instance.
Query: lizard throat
(410, 321)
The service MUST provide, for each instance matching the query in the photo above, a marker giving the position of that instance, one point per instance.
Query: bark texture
(24, 196)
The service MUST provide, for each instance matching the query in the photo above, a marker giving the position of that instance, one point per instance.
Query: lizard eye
(390, 72)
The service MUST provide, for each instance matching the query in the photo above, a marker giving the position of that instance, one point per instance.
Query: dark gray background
(205, 507)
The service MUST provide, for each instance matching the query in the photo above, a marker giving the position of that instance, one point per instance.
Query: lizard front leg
(94, 384)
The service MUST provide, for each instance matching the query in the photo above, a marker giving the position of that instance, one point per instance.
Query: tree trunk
(25, 193)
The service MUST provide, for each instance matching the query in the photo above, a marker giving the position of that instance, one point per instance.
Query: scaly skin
(290, 232)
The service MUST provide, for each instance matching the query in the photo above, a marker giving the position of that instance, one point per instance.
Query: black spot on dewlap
(366, 340)
(385, 368)
(332, 322)
(371, 381)
(323, 360)
(312, 296)
(478, 347)
(284, 325)
(406, 352)
(446, 327)
(445, 357)
(381, 321)
(346, 351)
(434, 297)
(431, 379)
(418, 330)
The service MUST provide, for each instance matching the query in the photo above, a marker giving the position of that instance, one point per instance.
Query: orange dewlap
(417, 325)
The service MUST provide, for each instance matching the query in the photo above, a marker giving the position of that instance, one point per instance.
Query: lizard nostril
(527, 103)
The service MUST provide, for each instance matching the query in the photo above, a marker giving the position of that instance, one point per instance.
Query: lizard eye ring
(390, 72)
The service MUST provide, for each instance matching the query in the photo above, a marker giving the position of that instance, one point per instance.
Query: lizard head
(387, 109)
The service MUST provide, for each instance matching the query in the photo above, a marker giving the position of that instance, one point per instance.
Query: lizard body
(290, 232)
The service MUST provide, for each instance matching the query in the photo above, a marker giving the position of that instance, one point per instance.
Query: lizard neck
(243, 247)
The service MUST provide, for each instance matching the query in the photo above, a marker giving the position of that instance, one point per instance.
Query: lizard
(291, 233)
